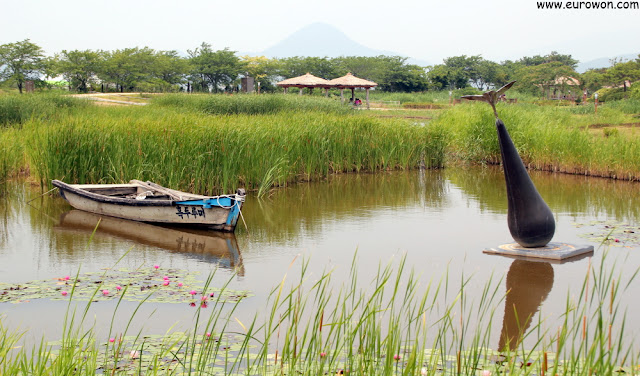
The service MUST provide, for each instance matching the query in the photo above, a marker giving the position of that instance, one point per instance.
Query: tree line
(205, 69)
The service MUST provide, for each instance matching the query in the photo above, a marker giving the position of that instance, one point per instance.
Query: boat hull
(221, 215)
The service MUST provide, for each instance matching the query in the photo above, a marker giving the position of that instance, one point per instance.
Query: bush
(610, 132)
(423, 105)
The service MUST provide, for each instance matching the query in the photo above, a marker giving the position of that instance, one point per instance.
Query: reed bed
(16, 109)
(214, 154)
(223, 104)
(395, 324)
(214, 143)
(547, 138)
(628, 106)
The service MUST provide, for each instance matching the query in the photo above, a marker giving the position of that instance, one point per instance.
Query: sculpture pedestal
(551, 252)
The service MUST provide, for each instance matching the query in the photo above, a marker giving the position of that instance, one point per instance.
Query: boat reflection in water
(209, 246)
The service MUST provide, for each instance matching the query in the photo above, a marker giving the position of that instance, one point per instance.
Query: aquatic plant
(223, 104)
(16, 109)
(547, 138)
(394, 324)
(215, 154)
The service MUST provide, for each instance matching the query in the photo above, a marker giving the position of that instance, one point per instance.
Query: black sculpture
(529, 218)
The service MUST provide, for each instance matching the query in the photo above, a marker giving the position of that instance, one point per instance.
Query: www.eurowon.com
(624, 5)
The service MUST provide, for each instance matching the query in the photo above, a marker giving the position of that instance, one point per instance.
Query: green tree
(264, 70)
(566, 60)
(318, 66)
(543, 78)
(79, 68)
(169, 70)
(465, 68)
(593, 79)
(215, 69)
(397, 76)
(128, 67)
(442, 77)
(368, 67)
(21, 61)
(622, 72)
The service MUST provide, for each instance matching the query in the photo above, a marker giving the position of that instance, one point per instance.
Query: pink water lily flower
(165, 283)
(323, 354)
(64, 293)
(105, 292)
(118, 287)
(179, 284)
(112, 340)
(156, 266)
(66, 277)
(397, 357)
(193, 292)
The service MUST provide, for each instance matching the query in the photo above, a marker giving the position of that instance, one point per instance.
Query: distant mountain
(321, 39)
(603, 62)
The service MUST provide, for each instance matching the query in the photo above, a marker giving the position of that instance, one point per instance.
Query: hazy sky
(425, 29)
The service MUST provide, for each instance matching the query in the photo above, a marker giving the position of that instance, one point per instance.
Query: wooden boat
(150, 202)
(216, 247)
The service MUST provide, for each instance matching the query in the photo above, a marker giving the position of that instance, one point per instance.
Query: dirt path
(121, 98)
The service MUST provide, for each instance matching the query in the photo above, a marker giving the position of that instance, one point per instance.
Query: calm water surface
(441, 220)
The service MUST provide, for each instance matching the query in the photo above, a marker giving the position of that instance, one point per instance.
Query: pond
(440, 220)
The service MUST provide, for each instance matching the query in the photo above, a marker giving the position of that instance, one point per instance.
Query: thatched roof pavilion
(306, 80)
(349, 81)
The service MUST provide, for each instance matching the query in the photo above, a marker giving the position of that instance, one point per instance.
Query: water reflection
(571, 194)
(209, 246)
(306, 207)
(528, 285)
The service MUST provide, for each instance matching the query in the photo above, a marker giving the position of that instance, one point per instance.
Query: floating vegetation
(153, 285)
(167, 354)
(309, 326)
(612, 233)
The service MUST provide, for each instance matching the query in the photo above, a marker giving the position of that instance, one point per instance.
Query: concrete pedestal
(553, 251)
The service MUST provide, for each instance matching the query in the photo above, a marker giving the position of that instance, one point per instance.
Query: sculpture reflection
(209, 246)
(528, 285)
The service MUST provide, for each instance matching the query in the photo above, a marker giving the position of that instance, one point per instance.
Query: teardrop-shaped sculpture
(530, 220)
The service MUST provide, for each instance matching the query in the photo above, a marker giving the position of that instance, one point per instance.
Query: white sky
(424, 29)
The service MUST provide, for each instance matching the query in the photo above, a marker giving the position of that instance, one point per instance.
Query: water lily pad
(611, 233)
(157, 286)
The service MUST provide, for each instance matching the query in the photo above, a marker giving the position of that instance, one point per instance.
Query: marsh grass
(628, 106)
(223, 104)
(11, 155)
(218, 153)
(16, 109)
(394, 324)
(547, 138)
(214, 143)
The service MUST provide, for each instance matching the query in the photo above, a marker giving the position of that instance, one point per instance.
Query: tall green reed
(547, 138)
(394, 324)
(223, 104)
(16, 109)
(209, 154)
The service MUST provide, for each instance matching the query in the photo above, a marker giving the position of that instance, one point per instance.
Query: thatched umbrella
(350, 81)
(306, 80)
